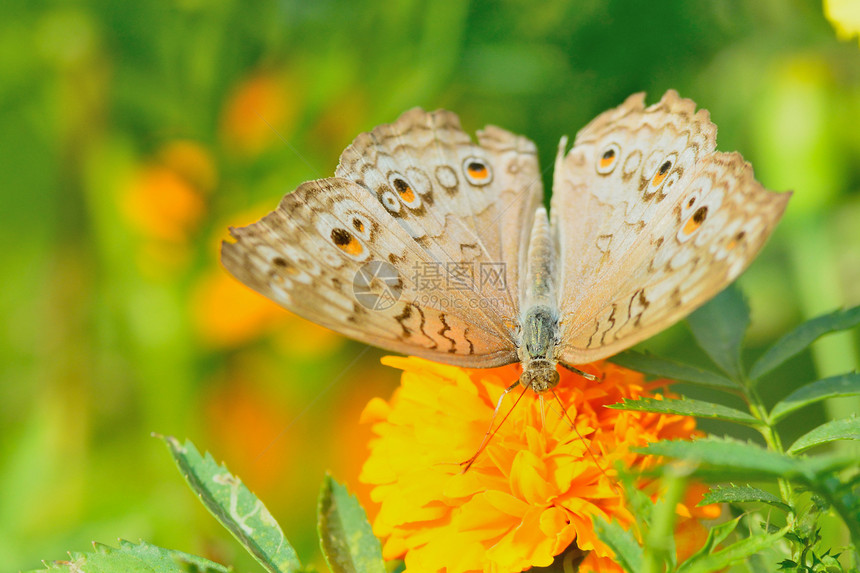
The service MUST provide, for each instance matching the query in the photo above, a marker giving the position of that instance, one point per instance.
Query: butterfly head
(537, 348)
(540, 375)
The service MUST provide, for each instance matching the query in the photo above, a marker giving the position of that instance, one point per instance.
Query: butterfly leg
(488, 435)
(576, 370)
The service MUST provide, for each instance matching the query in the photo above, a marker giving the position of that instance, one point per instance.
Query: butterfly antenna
(587, 446)
(576, 370)
(488, 435)
(542, 412)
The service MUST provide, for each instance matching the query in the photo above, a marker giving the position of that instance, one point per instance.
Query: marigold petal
(375, 411)
(527, 479)
(483, 514)
(506, 502)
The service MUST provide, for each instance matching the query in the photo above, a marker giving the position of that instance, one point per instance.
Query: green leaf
(233, 504)
(823, 466)
(832, 387)
(686, 407)
(346, 537)
(844, 429)
(742, 494)
(727, 458)
(802, 336)
(665, 368)
(135, 558)
(716, 535)
(719, 328)
(735, 553)
(628, 552)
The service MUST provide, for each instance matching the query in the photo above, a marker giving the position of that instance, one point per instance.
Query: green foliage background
(103, 340)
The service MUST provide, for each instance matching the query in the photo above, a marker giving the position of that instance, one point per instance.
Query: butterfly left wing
(469, 205)
(320, 253)
(651, 222)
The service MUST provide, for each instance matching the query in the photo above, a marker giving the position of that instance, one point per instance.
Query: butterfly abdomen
(540, 272)
(540, 315)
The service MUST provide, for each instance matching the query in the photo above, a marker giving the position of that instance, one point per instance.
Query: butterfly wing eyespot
(348, 244)
(608, 158)
(694, 223)
(670, 181)
(420, 183)
(663, 173)
(404, 189)
(477, 171)
(734, 241)
(389, 200)
(361, 225)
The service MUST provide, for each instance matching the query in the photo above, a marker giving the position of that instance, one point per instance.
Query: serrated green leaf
(686, 407)
(844, 429)
(735, 553)
(742, 494)
(832, 387)
(135, 558)
(731, 459)
(716, 535)
(665, 368)
(719, 328)
(233, 504)
(346, 537)
(802, 336)
(628, 552)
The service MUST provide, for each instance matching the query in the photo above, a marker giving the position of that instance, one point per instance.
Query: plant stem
(771, 438)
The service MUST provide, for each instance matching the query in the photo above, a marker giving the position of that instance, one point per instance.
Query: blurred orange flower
(226, 313)
(534, 490)
(163, 205)
(165, 198)
(192, 162)
(248, 424)
(257, 113)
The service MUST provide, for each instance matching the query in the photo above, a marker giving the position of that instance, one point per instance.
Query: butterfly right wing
(651, 223)
(307, 254)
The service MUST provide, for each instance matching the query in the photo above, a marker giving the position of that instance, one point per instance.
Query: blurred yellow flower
(534, 490)
(845, 17)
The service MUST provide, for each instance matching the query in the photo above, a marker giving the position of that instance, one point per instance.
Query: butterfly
(429, 244)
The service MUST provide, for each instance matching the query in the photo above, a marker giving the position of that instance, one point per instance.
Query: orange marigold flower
(535, 489)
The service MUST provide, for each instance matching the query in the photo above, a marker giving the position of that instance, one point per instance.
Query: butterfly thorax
(537, 348)
(539, 320)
